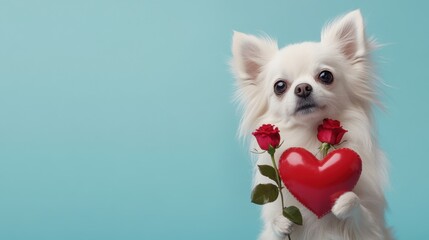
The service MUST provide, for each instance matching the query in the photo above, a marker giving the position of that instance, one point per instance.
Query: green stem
(279, 183)
(324, 148)
(278, 179)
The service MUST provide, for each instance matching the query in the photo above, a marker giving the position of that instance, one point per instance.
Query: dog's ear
(348, 33)
(250, 54)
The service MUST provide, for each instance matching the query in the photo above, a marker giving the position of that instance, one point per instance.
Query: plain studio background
(116, 119)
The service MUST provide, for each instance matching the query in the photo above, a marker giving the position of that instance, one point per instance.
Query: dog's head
(305, 82)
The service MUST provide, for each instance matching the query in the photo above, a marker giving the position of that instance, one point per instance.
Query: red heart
(318, 183)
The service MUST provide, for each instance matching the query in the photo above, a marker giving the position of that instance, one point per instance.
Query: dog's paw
(346, 205)
(282, 226)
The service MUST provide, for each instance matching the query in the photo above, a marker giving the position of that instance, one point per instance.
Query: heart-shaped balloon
(318, 183)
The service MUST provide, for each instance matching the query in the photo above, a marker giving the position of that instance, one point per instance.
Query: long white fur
(345, 51)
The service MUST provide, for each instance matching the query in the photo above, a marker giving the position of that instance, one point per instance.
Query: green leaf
(264, 193)
(269, 172)
(293, 214)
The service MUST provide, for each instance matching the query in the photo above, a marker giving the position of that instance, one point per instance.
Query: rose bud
(267, 135)
(330, 131)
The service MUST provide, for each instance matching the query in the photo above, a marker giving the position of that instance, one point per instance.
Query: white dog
(295, 88)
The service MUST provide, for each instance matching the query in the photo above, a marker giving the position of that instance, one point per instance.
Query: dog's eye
(326, 77)
(280, 87)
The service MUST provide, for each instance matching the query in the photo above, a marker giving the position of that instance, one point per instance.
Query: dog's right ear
(348, 33)
(250, 54)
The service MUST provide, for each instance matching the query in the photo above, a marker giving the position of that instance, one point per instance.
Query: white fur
(345, 51)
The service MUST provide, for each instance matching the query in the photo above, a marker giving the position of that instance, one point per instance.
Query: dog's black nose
(303, 90)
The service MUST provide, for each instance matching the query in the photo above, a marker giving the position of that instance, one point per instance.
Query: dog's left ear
(348, 32)
(250, 54)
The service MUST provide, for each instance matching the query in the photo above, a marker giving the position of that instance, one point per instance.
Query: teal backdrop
(117, 121)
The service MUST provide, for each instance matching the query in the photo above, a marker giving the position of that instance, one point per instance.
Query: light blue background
(116, 120)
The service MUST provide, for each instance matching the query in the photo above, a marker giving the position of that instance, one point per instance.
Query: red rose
(267, 135)
(330, 132)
